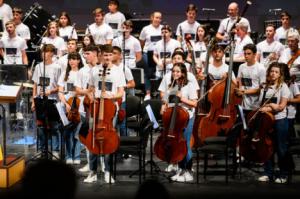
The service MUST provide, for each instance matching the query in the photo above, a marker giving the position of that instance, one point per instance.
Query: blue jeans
(122, 125)
(72, 142)
(54, 132)
(281, 138)
(188, 132)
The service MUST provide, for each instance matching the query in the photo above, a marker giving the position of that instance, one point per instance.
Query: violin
(73, 115)
(222, 114)
(171, 145)
(102, 137)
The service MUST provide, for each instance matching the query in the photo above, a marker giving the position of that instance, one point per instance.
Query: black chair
(133, 112)
(220, 146)
(135, 145)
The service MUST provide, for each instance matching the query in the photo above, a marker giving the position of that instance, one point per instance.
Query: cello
(222, 114)
(103, 137)
(256, 141)
(170, 146)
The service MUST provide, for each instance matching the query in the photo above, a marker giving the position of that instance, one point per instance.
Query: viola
(171, 145)
(222, 114)
(102, 138)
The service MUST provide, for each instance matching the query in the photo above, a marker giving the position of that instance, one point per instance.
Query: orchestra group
(193, 68)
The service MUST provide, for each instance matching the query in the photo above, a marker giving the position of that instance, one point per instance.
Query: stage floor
(214, 186)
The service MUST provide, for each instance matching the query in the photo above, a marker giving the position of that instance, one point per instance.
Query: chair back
(234, 134)
(133, 106)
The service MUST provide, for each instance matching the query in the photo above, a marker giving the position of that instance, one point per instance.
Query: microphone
(209, 9)
(275, 10)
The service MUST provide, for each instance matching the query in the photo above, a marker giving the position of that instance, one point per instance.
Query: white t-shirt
(83, 77)
(188, 91)
(238, 51)
(200, 51)
(114, 79)
(100, 33)
(218, 72)
(295, 68)
(13, 49)
(227, 23)
(159, 51)
(132, 46)
(115, 20)
(281, 34)
(265, 49)
(5, 14)
(23, 31)
(68, 32)
(283, 92)
(185, 28)
(127, 74)
(52, 72)
(251, 77)
(291, 108)
(71, 80)
(57, 42)
(150, 35)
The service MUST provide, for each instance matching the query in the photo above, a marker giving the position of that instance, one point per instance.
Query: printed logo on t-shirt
(282, 41)
(65, 38)
(198, 53)
(271, 100)
(107, 85)
(11, 51)
(246, 81)
(127, 52)
(44, 81)
(113, 25)
(172, 98)
(155, 38)
(70, 87)
(266, 54)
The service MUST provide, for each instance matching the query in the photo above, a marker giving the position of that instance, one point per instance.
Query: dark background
(173, 10)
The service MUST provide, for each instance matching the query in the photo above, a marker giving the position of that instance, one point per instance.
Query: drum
(37, 19)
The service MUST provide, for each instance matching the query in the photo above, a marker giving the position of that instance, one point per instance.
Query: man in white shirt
(282, 31)
(22, 30)
(227, 24)
(242, 40)
(269, 50)
(101, 32)
(12, 46)
(114, 18)
(5, 15)
(71, 47)
(133, 51)
(250, 76)
(189, 26)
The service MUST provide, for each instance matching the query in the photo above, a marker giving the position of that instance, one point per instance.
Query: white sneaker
(85, 168)
(19, 116)
(76, 162)
(55, 155)
(69, 161)
(263, 178)
(92, 177)
(172, 167)
(281, 180)
(174, 177)
(147, 97)
(185, 177)
(106, 177)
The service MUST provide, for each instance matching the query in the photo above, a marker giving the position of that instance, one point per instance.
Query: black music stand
(11, 73)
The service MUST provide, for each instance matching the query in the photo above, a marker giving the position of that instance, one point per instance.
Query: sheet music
(9, 91)
(151, 116)
(62, 114)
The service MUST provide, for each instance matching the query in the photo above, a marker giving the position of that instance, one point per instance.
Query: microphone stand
(164, 58)
(124, 62)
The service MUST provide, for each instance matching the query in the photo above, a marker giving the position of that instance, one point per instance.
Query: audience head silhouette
(152, 188)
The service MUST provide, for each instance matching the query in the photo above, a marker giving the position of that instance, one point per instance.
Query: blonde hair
(98, 11)
(48, 28)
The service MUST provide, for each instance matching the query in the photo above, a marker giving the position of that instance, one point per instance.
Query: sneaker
(147, 97)
(281, 180)
(263, 178)
(92, 177)
(85, 168)
(69, 161)
(19, 116)
(178, 173)
(106, 178)
(76, 162)
(55, 155)
(185, 177)
(171, 167)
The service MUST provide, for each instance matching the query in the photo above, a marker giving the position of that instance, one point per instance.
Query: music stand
(11, 73)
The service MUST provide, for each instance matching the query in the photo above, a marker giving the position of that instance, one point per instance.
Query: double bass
(170, 146)
(222, 114)
(102, 138)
